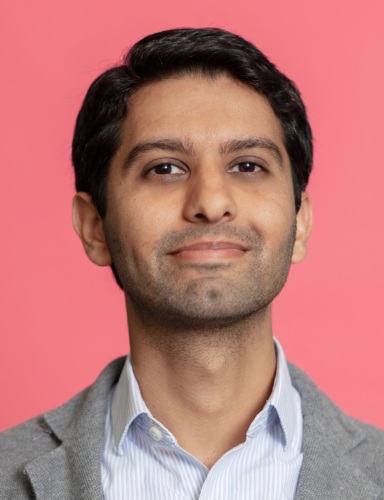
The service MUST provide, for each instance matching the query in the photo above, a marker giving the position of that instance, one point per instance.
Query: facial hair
(163, 295)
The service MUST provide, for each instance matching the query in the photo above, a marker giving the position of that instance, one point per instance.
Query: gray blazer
(57, 456)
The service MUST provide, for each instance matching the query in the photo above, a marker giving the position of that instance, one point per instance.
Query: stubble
(207, 300)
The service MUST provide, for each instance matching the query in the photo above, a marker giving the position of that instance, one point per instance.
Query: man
(191, 163)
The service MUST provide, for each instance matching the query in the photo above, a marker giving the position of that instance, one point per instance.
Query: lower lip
(214, 254)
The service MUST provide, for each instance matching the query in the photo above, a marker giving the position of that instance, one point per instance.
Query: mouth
(210, 251)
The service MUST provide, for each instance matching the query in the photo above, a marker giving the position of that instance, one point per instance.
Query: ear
(89, 227)
(304, 219)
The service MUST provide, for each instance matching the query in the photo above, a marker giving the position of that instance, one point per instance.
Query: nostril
(206, 217)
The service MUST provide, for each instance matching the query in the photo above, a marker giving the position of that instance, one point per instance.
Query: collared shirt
(142, 460)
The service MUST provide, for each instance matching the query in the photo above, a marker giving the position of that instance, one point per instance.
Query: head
(207, 53)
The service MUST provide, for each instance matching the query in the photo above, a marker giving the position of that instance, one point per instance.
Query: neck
(207, 386)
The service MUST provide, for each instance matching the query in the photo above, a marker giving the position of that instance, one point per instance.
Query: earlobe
(89, 227)
(304, 219)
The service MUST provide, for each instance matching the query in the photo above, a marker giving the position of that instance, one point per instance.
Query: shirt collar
(284, 400)
(127, 402)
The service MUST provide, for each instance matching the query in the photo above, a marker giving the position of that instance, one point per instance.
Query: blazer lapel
(73, 469)
(54, 476)
(328, 438)
(328, 471)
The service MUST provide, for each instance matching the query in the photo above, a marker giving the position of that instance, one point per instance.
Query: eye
(246, 167)
(166, 169)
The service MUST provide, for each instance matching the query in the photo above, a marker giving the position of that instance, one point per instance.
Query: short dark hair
(205, 51)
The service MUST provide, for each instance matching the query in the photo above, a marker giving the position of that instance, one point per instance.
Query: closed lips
(211, 245)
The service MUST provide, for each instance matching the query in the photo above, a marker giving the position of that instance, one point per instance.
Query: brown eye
(245, 167)
(167, 169)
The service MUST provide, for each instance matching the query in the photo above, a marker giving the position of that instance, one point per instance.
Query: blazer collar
(328, 437)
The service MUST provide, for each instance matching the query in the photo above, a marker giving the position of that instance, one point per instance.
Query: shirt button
(155, 433)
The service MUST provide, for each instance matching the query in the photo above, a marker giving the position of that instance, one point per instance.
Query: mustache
(247, 236)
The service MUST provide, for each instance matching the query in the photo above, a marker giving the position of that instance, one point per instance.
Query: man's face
(201, 218)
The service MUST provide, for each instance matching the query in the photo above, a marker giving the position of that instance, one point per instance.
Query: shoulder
(314, 400)
(369, 453)
(329, 432)
(21, 445)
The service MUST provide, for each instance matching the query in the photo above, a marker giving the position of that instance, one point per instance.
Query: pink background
(62, 319)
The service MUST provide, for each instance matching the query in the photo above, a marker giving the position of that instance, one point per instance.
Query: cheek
(271, 214)
(143, 221)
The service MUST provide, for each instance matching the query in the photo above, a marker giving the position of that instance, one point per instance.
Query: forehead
(200, 109)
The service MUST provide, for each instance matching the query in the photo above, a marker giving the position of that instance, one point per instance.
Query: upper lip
(211, 245)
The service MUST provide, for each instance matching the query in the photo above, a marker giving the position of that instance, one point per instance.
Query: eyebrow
(174, 145)
(236, 145)
(178, 146)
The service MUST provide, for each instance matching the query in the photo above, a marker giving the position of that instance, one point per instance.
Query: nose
(209, 197)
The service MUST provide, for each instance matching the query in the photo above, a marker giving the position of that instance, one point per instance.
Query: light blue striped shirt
(142, 461)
